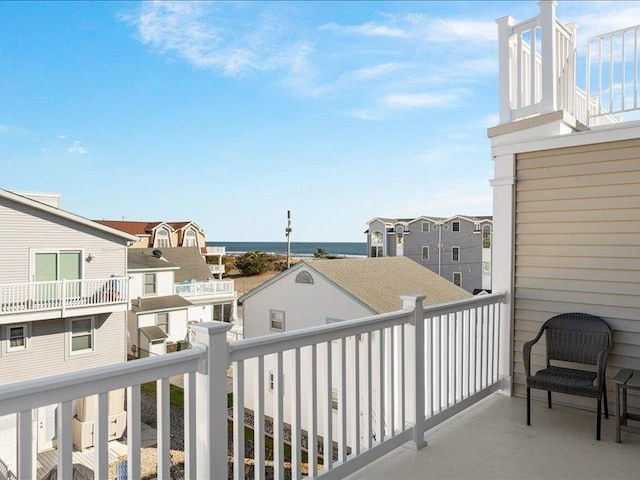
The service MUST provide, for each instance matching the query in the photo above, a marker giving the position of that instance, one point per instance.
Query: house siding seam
(576, 241)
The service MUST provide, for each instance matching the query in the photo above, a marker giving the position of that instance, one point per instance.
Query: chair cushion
(565, 380)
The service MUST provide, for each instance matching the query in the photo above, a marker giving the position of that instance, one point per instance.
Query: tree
(252, 263)
(321, 253)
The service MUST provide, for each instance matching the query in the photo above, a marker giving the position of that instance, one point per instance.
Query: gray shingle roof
(189, 259)
(379, 282)
(142, 259)
(152, 304)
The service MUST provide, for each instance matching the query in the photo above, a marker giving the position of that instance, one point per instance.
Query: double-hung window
(162, 321)
(455, 254)
(82, 331)
(457, 278)
(150, 284)
(17, 336)
(425, 253)
(276, 320)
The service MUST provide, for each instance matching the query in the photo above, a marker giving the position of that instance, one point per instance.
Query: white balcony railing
(215, 250)
(396, 375)
(537, 67)
(216, 269)
(29, 297)
(204, 289)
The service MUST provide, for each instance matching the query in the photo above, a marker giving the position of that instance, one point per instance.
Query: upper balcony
(538, 73)
(213, 288)
(29, 301)
(217, 251)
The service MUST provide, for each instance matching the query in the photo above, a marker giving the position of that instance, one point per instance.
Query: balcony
(217, 251)
(400, 374)
(214, 288)
(538, 74)
(216, 269)
(43, 300)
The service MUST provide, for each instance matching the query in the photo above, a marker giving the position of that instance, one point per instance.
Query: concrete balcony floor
(491, 440)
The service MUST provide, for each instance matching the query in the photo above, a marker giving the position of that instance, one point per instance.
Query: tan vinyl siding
(578, 247)
(23, 229)
(49, 344)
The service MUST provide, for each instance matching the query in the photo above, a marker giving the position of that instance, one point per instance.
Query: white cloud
(62, 136)
(76, 148)
(420, 100)
(12, 129)
(369, 29)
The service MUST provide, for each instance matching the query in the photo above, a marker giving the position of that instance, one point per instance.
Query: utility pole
(288, 235)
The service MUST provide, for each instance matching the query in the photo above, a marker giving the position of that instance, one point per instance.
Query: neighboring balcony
(215, 250)
(221, 288)
(216, 269)
(59, 298)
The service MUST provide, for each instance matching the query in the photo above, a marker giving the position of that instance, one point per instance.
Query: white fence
(203, 289)
(62, 294)
(409, 370)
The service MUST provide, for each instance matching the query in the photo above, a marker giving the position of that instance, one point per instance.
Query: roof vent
(157, 253)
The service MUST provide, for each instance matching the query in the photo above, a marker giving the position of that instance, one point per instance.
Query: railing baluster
(369, 407)
(381, 387)
(466, 318)
(296, 416)
(278, 419)
(342, 405)
(328, 420)
(26, 462)
(190, 425)
(446, 380)
(356, 394)
(403, 386)
(428, 355)
(134, 434)
(391, 385)
(164, 427)
(238, 420)
(65, 440)
(258, 421)
(312, 439)
(455, 357)
(101, 436)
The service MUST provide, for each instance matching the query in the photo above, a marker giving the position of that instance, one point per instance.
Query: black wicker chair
(578, 338)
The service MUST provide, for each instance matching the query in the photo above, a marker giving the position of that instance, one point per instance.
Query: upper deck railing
(204, 289)
(29, 297)
(537, 70)
(369, 386)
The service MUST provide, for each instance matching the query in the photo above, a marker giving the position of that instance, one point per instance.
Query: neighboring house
(171, 288)
(457, 248)
(169, 235)
(318, 292)
(63, 304)
(566, 192)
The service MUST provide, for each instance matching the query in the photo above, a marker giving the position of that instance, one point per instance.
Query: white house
(317, 292)
(63, 302)
(171, 288)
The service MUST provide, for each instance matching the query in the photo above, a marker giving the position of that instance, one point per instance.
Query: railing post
(211, 400)
(415, 362)
(549, 101)
(504, 68)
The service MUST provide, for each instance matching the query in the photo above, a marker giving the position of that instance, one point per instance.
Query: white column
(549, 102)
(415, 358)
(211, 400)
(502, 261)
(504, 67)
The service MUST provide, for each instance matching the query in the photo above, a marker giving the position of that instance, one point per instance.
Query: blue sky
(228, 114)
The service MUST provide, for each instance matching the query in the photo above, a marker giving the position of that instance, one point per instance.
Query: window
(377, 243)
(276, 320)
(455, 226)
(149, 283)
(457, 278)
(425, 253)
(304, 277)
(162, 238)
(455, 254)
(162, 321)
(82, 335)
(190, 239)
(17, 337)
(426, 226)
(486, 236)
(62, 265)
(334, 399)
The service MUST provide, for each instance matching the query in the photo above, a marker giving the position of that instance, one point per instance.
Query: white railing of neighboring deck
(200, 289)
(62, 294)
(364, 386)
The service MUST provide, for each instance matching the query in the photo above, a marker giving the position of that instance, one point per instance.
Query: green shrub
(252, 263)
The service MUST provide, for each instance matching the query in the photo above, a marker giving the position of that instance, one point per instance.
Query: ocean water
(298, 249)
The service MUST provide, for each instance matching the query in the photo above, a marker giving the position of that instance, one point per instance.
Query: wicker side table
(625, 380)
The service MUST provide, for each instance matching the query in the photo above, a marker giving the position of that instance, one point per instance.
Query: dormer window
(455, 226)
(190, 239)
(162, 238)
(426, 226)
(377, 244)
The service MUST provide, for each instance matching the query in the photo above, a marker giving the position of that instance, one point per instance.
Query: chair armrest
(526, 352)
(602, 367)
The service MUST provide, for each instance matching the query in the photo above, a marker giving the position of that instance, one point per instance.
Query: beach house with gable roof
(318, 292)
